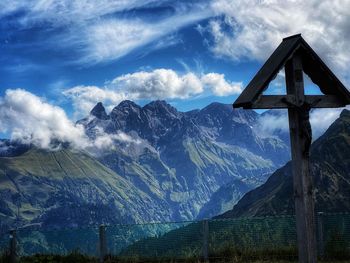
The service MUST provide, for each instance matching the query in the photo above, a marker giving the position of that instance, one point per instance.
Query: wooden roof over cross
(336, 95)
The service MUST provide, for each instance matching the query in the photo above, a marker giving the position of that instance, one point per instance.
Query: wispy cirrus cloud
(99, 31)
(64, 12)
(113, 38)
(156, 84)
(102, 31)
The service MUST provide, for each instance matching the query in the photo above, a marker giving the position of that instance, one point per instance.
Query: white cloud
(103, 141)
(320, 120)
(270, 122)
(156, 84)
(63, 12)
(221, 87)
(159, 84)
(167, 84)
(32, 120)
(84, 98)
(252, 29)
(113, 38)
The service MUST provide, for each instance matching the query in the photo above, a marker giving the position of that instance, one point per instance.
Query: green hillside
(68, 188)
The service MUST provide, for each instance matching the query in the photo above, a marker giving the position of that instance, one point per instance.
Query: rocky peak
(161, 108)
(99, 112)
(217, 108)
(128, 104)
(126, 110)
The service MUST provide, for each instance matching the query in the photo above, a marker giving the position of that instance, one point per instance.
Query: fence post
(320, 233)
(103, 242)
(205, 247)
(13, 243)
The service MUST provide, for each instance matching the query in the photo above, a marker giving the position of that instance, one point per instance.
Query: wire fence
(246, 238)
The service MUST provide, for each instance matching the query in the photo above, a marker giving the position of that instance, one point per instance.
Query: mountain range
(161, 165)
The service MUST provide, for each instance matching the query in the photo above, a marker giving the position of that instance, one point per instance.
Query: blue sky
(71, 54)
(45, 56)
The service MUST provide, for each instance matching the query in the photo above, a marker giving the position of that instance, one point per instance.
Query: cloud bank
(156, 84)
(31, 120)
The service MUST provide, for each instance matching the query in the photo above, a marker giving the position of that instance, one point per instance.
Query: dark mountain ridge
(330, 169)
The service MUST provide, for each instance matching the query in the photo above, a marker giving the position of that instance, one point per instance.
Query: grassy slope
(45, 181)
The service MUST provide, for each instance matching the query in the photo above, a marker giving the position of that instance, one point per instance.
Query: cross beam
(290, 101)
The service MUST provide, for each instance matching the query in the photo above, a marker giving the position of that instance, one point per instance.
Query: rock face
(163, 165)
(330, 169)
(99, 112)
(12, 148)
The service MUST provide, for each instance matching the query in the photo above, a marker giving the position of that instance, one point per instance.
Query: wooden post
(320, 232)
(103, 242)
(13, 243)
(300, 137)
(205, 247)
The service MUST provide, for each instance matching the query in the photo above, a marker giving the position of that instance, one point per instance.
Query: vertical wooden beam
(300, 137)
(103, 242)
(320, 231)
(205, 248)
(13, 244)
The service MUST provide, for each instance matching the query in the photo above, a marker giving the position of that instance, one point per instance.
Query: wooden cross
(296, 56)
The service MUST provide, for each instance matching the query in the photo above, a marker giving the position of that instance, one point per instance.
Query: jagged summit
(99, 111)
(127, 104)
(160, 106)
(158, 103)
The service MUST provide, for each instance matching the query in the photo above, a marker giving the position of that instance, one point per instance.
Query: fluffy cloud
(32, 120)
(167, 84)
(276, 120)
(321, 119)
(84, 98)
(252, 29)
(156, 84)
(160, 83)
(221, 87)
